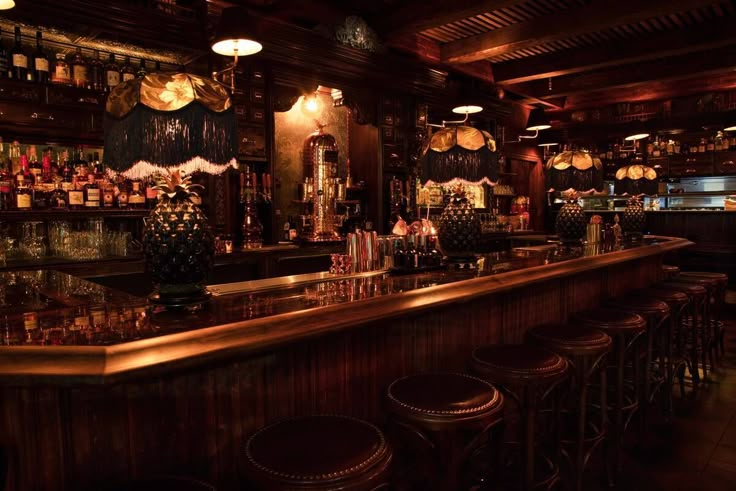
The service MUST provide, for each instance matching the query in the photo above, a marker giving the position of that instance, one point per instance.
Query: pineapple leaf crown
(570, 195)
(176, 186)
(635, 200)
(457, 192)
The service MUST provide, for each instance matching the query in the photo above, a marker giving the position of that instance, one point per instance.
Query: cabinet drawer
(42, 117)
(725, 163)
(691, 166)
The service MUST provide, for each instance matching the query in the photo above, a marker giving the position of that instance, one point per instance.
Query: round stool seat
(310, 451)
(671, 297)
(670, 270)
(570, 340)
(691, 289)
(640, 305)
(697, 280)
(611, 320)
(719, 277)
(437, 398)
(518, 363)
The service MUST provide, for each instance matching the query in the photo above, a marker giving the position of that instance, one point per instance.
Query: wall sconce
(6, 4)
(233, 37)
(467, 110)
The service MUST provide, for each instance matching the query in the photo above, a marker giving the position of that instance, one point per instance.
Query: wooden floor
(698, 451)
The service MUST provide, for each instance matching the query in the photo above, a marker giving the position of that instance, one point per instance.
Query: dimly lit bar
(407, 245)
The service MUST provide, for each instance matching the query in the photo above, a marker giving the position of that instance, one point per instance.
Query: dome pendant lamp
(234, 36)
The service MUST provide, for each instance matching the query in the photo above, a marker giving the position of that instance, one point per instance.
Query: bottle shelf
(41, 215)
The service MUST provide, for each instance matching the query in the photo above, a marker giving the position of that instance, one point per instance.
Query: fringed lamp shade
(575, 170)
(636, 179)
(460, 153)
(169, 120)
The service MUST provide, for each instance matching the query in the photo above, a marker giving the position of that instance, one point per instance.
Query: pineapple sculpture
(571, 224)
(459, 227)
(634, 220)
(178, 243)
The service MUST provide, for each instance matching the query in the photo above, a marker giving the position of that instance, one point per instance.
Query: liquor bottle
(58, 198)
(40, 195)
(91, 193)
(725, 144)
(34, 335)
(127, 72)
(98, 168)
(96, 78)
(719, 142)
(80, 76)
(112, 73)
(121, 193)
(702, 145)
(81, 166)
(40, 62)
(142, 71)
(6, 183)
(62, 74)
(711, 145)
(3, 59)
(67, 173)
(285, 230)
(24, 172)
(136, 198)
(34, 165)
(151, 193)
(46, 169)
(23, 194)
(76, 196)
(108, 194)
(19, 67)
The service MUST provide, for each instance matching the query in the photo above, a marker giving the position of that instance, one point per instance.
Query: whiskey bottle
(91, 193)
(3, 59)
(136, 199)
(62, 74)
(19, 60)
(23, 194)
(80, 76)
(96, 78)
(112, 73)
(76, 196)
(24, 172)
(58, 197)
(6, 184)
(34, 166)
(40, 62)
(67, 173)
(108, 194)
(127, 72)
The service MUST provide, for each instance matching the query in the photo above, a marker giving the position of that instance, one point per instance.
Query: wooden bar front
(88, 415)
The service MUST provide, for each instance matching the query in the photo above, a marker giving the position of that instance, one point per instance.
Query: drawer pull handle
(50, 117)
(690, 171)
(728, 163)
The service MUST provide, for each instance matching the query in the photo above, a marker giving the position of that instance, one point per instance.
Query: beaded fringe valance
(193, 136)
(479, 166)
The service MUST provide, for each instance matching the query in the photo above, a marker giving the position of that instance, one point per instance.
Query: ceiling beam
(713, 62)
(564, 24)
(419, 15)
(712, 35)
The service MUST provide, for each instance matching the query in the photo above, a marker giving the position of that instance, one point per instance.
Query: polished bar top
(64, 330)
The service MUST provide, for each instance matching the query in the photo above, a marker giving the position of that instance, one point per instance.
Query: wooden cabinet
(725, 163)
(691, 165)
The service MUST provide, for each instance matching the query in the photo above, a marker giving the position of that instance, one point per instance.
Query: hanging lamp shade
(170, 121)
(636, 179)
(460, 153)
(549, 138)
(636, 130)
(576, 170)
(6, 4)
(236, 34)
(537, 120)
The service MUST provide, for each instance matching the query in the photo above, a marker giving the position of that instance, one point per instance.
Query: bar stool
(693, 321)
(719, 302)
(320, 452)
(680, 358)
(448, 415)
(161, 483)
(586, 351)
(626, 330)
(669, 271)
(526, 375)
(658, 353)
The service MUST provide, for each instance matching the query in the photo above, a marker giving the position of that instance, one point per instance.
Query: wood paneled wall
(196, 422)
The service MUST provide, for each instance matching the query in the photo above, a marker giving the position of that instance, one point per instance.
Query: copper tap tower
(320, 162)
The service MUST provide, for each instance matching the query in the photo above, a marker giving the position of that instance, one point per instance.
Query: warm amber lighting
(730, 128)
(6, 4)
(237, 47)
(637, 136)
(311, 103)
(470, 109)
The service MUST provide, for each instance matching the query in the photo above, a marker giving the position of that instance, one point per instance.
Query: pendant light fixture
(537, 120)
(636, 131)
(234, 36)
(6, 4)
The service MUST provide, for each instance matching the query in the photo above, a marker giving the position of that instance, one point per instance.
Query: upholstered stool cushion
(314, 449)
(670, 270)
(697, 280)
(640, 304)
(719, 277)
(570, 340)
(671, 297)
(438, 397)
(691, 289)
(518, 363)
(610, 320)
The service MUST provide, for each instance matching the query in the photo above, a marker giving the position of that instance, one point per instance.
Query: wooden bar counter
(140, 392)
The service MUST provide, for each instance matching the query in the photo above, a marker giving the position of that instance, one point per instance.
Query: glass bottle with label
(112, 73)
(3, 59)
(127, 72)
(79, 70)
(121, 193)
(23, 194)
(62, 74)
(151, 193)
(6, 184)
(58, 197)
(40, 196)
(24, 172)
(40, 62)
(96, 73)
(108, 194)
(67, 173)
(76, 196)
(91, 193)
(34, 335)
(702, 145)
(34, 165)
(18, 59)
(136, 199)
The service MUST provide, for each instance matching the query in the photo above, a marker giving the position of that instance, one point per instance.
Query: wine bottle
(23, 194)
(96, 78)
(40, 62)
(80, 76)
(19, 60)
(127, 72)
(112, 73)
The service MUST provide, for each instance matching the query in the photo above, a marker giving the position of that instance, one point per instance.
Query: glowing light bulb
(311, 104)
